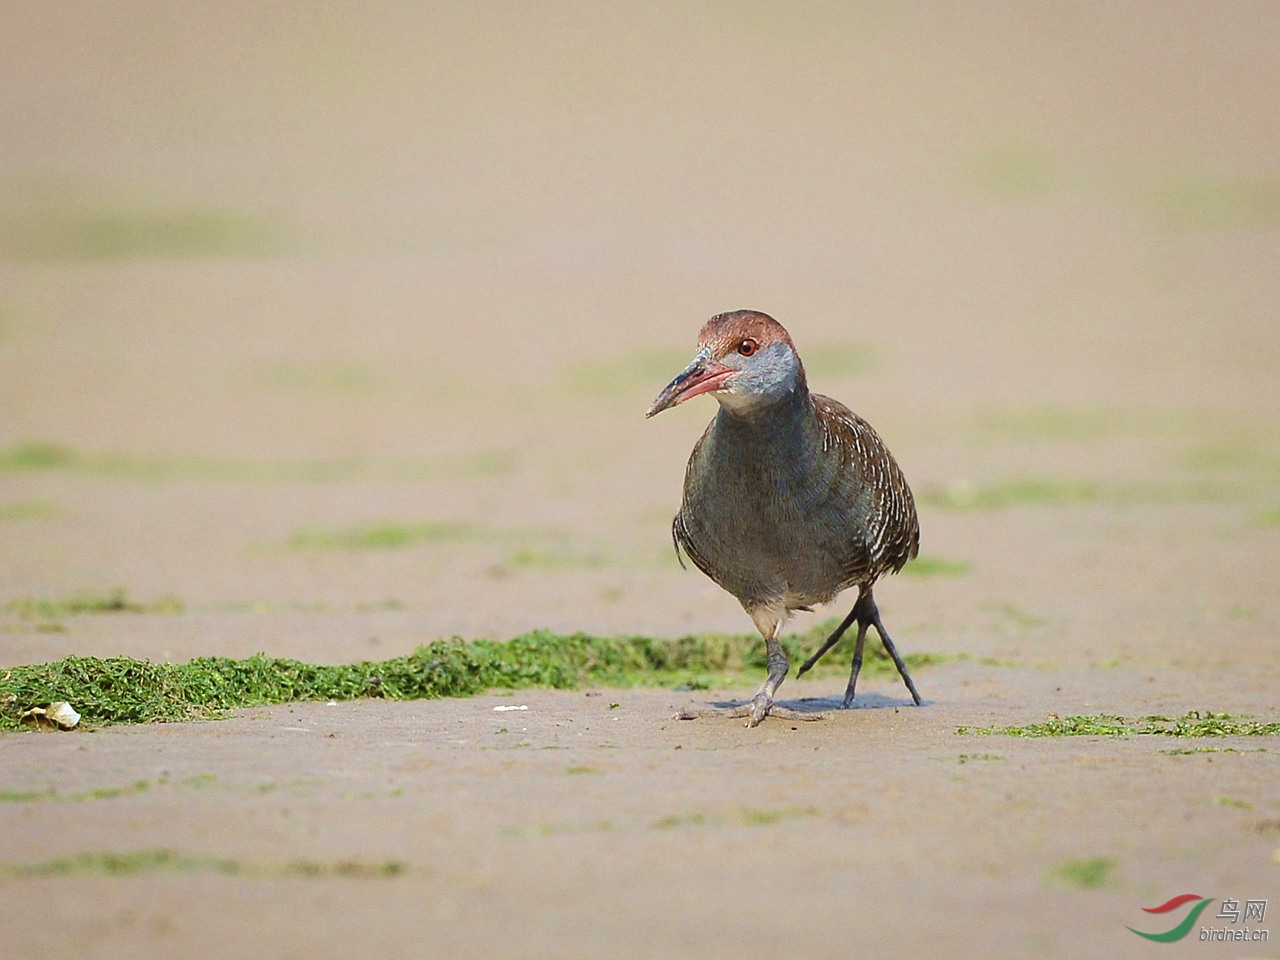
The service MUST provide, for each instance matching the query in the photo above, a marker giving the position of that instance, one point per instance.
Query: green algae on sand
(1194, 723)
(125, 690)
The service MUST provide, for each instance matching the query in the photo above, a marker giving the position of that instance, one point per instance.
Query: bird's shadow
(863, 701)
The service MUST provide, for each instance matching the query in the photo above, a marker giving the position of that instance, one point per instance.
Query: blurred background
(327, 330)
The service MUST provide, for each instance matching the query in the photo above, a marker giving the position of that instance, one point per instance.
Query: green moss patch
(839, 359)
(1087, 874)
(1058, 423)
(764, 817)
(1194, 723)
(385, 535)
(1014, 615)
(115, 233)
(1048, 492)
(1194, 203)
(334, 378)
(41, 456)
(1233, 802)
(113, 864)
(927, 566)
(1193, 751)
(83, 796)
(21, 511)
(637, 374)
(124, 690)
(115, 601)
(739, 815)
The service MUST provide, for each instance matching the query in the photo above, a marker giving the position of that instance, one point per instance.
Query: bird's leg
(867, 614)
(762, 702)
(864, 610)
(830, 642)
(769, 623)
(857, 661)
(873, 615)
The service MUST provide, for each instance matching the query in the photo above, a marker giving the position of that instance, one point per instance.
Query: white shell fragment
(57, 716)
(63, 714)
(504, 709)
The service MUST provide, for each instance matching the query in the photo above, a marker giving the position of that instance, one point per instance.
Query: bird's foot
(755, 710)
(760, 706)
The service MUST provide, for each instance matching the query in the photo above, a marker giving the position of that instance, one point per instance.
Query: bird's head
(745, 359)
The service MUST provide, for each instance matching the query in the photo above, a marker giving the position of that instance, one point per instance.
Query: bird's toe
(760, 705)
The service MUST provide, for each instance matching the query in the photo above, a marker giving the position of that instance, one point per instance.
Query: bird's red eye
(747, 347)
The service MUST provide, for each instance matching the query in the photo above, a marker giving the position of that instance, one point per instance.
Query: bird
(789, 497)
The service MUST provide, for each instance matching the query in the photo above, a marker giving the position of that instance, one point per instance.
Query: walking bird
(789, 496)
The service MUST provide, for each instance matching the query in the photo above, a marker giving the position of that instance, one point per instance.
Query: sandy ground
(272, 280)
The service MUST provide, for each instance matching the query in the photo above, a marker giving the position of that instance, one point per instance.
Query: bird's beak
(702, 375)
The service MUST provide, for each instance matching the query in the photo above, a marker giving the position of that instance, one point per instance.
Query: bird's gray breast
(769, 512)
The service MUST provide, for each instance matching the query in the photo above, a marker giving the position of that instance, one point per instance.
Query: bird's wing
(676, 531)
(679, 527)
(891, 530)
